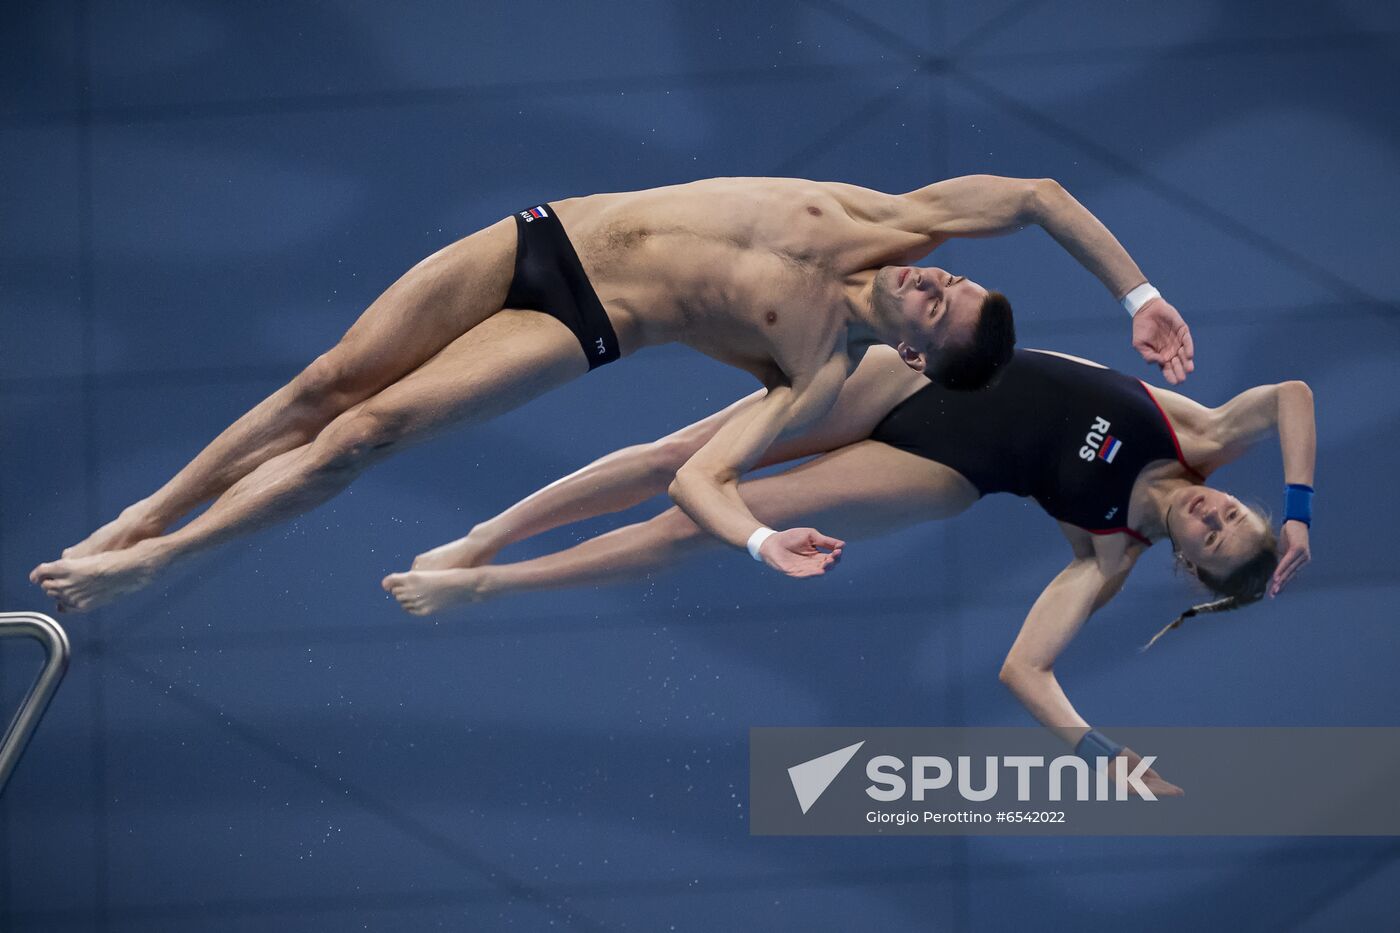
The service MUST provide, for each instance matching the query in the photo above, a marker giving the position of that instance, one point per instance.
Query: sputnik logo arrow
(811, 778)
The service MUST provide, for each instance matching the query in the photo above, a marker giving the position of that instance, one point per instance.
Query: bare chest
(769, 312)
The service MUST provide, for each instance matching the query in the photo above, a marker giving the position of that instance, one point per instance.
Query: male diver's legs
(866, 488)
(435, 302)
(510, 358)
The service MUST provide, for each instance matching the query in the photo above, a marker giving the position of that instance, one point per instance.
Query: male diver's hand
(1153, 781)
(801, 552)
(1296, 553)
(1162, 337)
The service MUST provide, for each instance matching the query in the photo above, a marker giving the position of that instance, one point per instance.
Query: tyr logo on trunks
(1099, 444)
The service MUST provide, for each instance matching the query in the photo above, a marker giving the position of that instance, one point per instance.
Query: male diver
(788, 279)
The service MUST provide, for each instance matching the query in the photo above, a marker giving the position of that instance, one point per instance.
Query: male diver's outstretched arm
(1091, 580)
(707, 486)
(987, 205)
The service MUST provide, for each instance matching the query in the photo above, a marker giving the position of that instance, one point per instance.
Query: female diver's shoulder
(1196, 427)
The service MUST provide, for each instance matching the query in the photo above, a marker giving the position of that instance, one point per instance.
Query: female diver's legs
(612, 483)
(510, 358)
(634, 474)
(435, 302)
(866, 487)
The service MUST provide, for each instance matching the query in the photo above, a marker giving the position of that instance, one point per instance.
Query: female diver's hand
(1162, 337)
(801, 552)
(1296, 553)
(1154, 781)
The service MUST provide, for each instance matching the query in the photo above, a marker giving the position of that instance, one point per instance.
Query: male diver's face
(1214, 530)
(933, 309)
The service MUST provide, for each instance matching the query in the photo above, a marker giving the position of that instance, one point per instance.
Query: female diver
(1118, 464)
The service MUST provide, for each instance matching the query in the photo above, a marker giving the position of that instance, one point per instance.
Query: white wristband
(763, 533)
(1135, 299)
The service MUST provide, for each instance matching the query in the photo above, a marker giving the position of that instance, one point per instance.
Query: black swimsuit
(1071, 436)
(549, 278)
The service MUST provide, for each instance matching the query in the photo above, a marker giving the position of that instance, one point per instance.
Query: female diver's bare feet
(79, 584)
(135, 523)
(423, 592)
(473, 550)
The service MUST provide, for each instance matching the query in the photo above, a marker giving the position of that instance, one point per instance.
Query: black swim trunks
(1071, 436)
(549, 278)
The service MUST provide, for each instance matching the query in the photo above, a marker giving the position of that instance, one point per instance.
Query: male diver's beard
(882, 300)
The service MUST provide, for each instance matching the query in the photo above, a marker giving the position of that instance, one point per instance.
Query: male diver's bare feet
(471, 551)
(134, 524)
(79, 584)
(423, 592)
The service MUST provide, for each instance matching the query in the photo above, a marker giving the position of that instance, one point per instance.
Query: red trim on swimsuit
(1172, 431)
(1176, 445)
(1123, 530)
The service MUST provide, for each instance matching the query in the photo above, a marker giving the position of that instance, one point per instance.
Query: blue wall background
(199, 197)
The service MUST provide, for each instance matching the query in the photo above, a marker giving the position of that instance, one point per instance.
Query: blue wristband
(1297, 503)
(1095, 745)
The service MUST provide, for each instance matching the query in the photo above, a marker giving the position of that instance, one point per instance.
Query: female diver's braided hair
(1247, 584)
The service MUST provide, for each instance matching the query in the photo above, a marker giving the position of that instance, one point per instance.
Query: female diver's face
(1213, 530)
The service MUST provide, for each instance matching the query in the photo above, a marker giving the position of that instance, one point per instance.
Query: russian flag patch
(1110, 448)
(534, 213)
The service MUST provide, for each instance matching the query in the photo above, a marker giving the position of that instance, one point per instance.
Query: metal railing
(55, 641)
